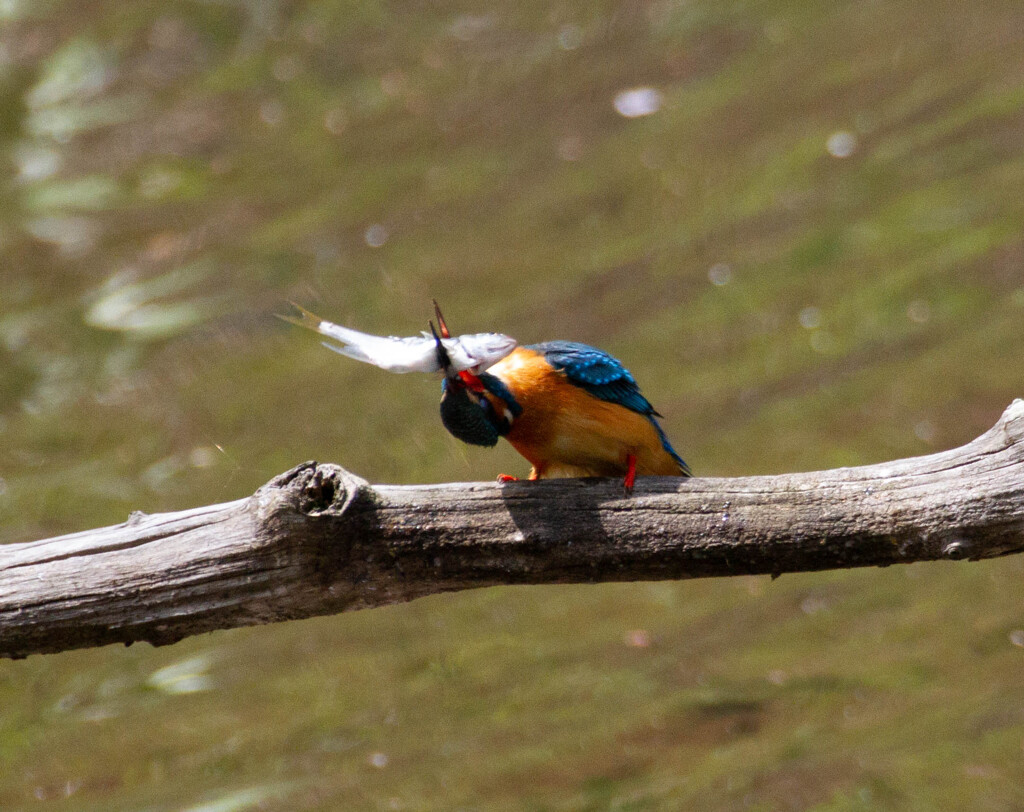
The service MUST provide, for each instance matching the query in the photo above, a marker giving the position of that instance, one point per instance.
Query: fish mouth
(482, 364)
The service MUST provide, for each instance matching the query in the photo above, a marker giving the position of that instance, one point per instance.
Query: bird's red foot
(507, 478)
(630, 479)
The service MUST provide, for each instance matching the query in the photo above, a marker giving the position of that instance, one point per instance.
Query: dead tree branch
(318, 540)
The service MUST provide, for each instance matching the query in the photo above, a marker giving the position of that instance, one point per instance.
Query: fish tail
(310, 321)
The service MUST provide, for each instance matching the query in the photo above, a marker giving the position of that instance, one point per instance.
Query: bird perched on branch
(570, 409)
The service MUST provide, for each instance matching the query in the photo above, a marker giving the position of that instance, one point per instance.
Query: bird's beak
(466, 378)
(443, 360)
(442, 326)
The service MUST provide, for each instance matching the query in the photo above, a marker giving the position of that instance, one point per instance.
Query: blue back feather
(597, 372)
(604, 377)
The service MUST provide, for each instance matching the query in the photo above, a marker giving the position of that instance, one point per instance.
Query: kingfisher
(570, 409)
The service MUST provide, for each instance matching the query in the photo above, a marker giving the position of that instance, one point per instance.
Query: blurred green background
(799, 224)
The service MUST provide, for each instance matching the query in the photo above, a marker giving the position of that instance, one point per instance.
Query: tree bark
(318, 540)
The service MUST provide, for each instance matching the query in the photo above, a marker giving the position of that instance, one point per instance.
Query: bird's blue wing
(604, 377)
(597, 372)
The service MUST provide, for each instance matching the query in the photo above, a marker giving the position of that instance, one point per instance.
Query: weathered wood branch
(318, 540)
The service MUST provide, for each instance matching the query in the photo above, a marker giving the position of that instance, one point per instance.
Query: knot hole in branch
(326, 489)
(318, 493)
(312, 489)
(1012, 422)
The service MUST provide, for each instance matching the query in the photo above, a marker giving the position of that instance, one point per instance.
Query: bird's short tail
(684, 469)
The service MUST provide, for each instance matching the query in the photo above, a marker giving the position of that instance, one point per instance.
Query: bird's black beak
(443, 359)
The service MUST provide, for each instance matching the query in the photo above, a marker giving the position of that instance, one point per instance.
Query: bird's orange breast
(564, 431)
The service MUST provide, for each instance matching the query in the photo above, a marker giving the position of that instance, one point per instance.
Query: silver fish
(474, 352)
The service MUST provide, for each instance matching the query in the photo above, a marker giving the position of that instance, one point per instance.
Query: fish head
(478, 351)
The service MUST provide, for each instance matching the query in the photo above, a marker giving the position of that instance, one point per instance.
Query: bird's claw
(507, 478)
(630, 480)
